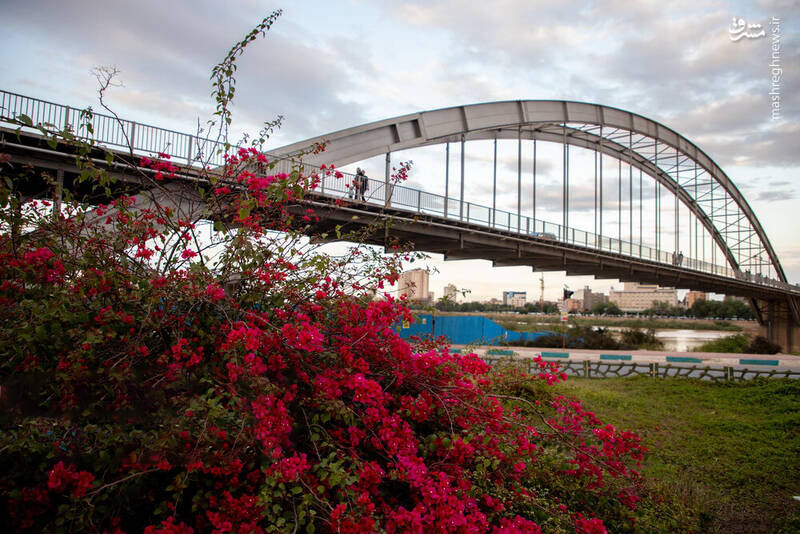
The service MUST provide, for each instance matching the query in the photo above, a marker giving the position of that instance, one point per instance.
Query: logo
(739, 29)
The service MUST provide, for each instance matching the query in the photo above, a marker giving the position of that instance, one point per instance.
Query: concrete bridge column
(780, 326)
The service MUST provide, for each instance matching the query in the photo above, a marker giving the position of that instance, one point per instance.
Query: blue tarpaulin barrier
(465, 330)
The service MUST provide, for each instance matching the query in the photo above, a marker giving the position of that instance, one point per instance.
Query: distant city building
(517, 299)
(587, 299)
(639, 297)
(573, 305)
(450, 292)
(694, 296)
(414, 285)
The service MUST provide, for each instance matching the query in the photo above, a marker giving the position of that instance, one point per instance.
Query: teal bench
(555, 354)
(500, 352)
(758, 362)
(683, 359)
(455, 351)
(625, 357)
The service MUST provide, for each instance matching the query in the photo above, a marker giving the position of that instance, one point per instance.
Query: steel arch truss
(658, 151)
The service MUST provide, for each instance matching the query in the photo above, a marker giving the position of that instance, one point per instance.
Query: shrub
(641, 339)
(740, 343)
(588, 337)
(761, 345)
(732, 344)
(155, 380)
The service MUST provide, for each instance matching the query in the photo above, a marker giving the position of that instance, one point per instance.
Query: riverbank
(591, 332)
(529, 322)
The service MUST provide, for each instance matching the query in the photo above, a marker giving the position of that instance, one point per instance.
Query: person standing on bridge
(355, 187)
(364, 185)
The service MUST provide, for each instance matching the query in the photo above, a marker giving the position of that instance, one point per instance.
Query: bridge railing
(145, 139)
(141, 139)
(426, 203)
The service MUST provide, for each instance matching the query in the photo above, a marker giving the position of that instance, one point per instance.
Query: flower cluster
(161, 164)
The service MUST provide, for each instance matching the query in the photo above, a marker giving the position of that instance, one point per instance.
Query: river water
(686, 340)
(682, 340)
(678, 340)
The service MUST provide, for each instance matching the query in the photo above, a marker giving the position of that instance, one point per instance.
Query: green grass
(727, 456)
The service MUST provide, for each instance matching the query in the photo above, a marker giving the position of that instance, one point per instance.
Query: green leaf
(24, 119)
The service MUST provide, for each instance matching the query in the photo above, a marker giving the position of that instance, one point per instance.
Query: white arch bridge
(714, 240)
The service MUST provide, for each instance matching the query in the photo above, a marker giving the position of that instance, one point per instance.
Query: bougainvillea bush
(159, 376)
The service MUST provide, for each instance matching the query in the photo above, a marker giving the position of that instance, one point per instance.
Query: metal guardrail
(145, 139)
(606, 369)
(140, 138)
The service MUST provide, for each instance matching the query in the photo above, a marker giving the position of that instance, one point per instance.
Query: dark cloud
(774, 195)
(165, 51)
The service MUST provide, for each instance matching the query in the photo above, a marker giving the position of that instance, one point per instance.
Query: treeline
(588, 337)
(705, 309)
(702, 309)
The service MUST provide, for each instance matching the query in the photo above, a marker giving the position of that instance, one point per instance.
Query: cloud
(680, 70)
(774, 146)
(166, 50)
(776, 195)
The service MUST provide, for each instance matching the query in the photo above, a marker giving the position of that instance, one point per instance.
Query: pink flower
(215, 292)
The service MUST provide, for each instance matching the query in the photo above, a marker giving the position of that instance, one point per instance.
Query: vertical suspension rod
(461, 196)
(519, 178)
(494, 182)
(446, 176)
(534, 184)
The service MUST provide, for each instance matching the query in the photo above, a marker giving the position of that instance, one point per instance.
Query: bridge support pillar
(781, 327)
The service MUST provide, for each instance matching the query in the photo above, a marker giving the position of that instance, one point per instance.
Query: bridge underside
(462, 241)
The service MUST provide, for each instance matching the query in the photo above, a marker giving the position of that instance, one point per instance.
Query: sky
(327, 65)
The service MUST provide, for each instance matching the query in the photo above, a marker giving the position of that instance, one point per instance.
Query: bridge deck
(459, 230)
